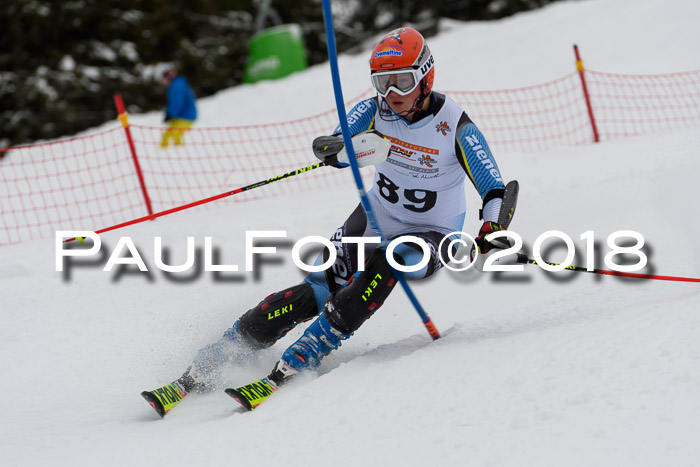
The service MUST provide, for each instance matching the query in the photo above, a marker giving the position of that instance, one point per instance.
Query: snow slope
(533, 368)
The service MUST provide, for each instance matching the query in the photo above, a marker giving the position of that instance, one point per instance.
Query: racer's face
(405, 103)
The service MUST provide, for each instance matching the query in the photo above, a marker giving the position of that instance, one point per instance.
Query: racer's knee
(272, 318)
(352, 305)
(318, 281)
(410, 254)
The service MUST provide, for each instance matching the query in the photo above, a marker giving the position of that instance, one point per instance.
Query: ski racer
(418, 190)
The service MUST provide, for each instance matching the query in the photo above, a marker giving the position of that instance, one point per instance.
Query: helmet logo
(395, 34)
(389, 52)
(427, 66)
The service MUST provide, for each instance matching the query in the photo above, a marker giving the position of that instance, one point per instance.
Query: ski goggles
(402, 82)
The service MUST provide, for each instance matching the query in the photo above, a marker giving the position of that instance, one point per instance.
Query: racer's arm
(360, 119)
(475, 157)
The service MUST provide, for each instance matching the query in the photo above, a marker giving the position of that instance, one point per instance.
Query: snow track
(533, 369)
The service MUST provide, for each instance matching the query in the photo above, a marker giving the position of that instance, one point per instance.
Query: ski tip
(240, 398)
(154, 402)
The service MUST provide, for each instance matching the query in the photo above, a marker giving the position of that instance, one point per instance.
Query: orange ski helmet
(400, 62)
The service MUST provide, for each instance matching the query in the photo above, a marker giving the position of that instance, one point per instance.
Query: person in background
(180, 111)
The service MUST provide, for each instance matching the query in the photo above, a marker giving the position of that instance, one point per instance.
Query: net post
(123, 117)
(579, 67)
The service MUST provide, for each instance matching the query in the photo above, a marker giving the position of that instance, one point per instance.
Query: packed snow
(534, 368)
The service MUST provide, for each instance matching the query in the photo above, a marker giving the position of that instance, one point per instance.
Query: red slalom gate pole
(522, 259)
(123, 117)
(579, 67)
(208, 200)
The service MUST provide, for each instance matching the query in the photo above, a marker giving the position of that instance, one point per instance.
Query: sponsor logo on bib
(443, 128)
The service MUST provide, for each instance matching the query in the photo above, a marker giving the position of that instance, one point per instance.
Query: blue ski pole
(340, 105)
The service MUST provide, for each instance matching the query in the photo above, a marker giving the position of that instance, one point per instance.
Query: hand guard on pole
(370, 146)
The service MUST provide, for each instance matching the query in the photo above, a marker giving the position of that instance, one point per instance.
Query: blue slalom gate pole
(340, 105)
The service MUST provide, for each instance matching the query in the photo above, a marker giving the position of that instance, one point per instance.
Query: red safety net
(90, 182)
(532, 118)
(215, 160)
(630, 105)
(80, 183)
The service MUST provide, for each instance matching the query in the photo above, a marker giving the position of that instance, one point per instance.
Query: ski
(165, 398)
(253, 394)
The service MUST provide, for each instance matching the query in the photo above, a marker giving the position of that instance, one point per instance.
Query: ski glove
(485, 245)
(370, 146)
